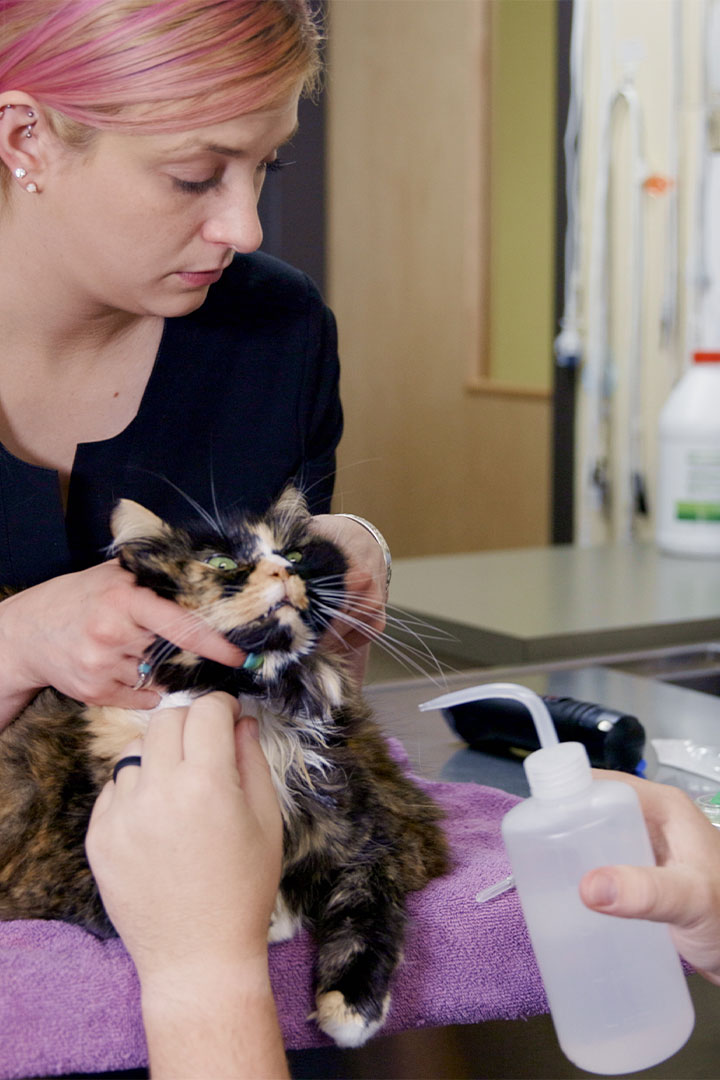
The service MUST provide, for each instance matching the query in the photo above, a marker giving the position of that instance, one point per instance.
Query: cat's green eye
(222, 562)
(293, 556)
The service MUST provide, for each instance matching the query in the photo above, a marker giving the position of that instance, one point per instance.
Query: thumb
(660, 894)
(254, 771)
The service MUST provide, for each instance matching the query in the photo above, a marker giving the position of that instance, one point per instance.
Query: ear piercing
(30, 115)
(19, 173)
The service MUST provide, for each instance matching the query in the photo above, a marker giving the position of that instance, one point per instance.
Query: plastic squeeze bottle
(617, 993)
(616, 988)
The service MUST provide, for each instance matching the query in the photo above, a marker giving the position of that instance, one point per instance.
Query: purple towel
(70, 1003)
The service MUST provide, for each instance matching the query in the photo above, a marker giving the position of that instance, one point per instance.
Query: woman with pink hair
(148, 351)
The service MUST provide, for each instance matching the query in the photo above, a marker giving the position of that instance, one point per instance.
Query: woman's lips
(200, 277)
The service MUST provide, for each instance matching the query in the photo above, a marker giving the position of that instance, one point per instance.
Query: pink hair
(186, 63)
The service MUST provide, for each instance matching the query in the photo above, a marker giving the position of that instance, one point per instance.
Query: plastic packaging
(616, 989)
(689, 756)
(688, 488)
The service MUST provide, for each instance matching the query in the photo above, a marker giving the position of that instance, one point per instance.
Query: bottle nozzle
(537, 708)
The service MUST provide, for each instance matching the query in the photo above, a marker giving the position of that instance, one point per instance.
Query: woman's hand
(683, 890)
(186, 850)
(85, 634)
(363, 614)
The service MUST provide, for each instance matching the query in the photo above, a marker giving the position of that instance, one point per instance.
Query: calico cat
(358, 834)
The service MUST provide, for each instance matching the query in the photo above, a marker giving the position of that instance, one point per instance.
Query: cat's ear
(291, 503)
(131, 521)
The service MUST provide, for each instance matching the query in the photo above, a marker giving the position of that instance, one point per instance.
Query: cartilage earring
(28, 131)
(4, 110)
(19, 173)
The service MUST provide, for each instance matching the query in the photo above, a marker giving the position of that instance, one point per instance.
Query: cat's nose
(276, 567)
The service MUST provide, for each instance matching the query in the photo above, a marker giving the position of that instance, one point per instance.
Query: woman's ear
(25, 139)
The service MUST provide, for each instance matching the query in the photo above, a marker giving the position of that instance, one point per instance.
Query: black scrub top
(243, 397)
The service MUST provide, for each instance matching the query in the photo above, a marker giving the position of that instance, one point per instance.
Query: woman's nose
(235, 223)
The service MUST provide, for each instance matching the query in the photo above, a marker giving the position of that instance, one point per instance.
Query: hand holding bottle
(615, 987)
(682, 890)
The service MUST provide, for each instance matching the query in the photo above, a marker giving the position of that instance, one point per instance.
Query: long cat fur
(358, 834)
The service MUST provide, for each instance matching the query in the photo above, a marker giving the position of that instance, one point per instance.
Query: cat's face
(268, 583)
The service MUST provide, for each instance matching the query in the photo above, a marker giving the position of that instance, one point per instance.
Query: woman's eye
(294, 556)
(222, 562)
(196, 186)
(275, 165)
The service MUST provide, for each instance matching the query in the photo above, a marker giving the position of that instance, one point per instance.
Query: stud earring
(32, 188)
(19, 173)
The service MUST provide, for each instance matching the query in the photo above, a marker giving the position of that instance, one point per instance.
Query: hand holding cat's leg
(187, 850)
(84, 634)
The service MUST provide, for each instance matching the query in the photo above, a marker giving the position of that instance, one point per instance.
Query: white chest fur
(285, 747)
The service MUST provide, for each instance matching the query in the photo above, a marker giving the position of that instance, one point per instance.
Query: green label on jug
(697, 511)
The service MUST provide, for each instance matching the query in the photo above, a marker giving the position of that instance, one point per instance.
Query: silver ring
(144, 672)
(131, 759)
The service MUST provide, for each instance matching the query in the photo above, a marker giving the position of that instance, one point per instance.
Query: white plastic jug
(688, 489)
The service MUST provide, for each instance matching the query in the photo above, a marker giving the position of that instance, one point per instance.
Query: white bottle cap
(558, 771)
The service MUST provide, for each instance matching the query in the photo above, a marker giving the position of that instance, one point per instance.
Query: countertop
(522, 1049)
(550, 603)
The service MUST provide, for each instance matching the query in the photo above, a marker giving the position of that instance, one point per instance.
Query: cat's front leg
(284, 923)
(360, 939)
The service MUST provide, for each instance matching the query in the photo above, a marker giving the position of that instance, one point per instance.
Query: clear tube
(532, 701)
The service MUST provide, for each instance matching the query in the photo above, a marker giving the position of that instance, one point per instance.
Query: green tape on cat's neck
(253, 661)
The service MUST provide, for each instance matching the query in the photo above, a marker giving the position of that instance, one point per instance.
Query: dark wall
(563, 446)
(292, 204)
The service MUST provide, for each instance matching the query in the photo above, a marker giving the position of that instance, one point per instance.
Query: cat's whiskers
(214, 522)
(402, 652)
(358, 603)
(409, 656)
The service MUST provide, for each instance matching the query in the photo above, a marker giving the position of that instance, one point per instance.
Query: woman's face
(146, 223)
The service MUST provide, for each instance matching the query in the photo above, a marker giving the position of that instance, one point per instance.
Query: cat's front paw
(345, 1024)
(284, 924)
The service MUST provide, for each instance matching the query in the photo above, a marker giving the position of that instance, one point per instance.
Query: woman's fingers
(208, 736)
(183, 628)
(254, 771)
(660, 894)
(122, 696)
(163, 743)
(126, 774)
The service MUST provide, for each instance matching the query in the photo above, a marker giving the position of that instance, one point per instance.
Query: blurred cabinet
(447, 438)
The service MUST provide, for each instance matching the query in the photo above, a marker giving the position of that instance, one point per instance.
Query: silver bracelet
(380, 539)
